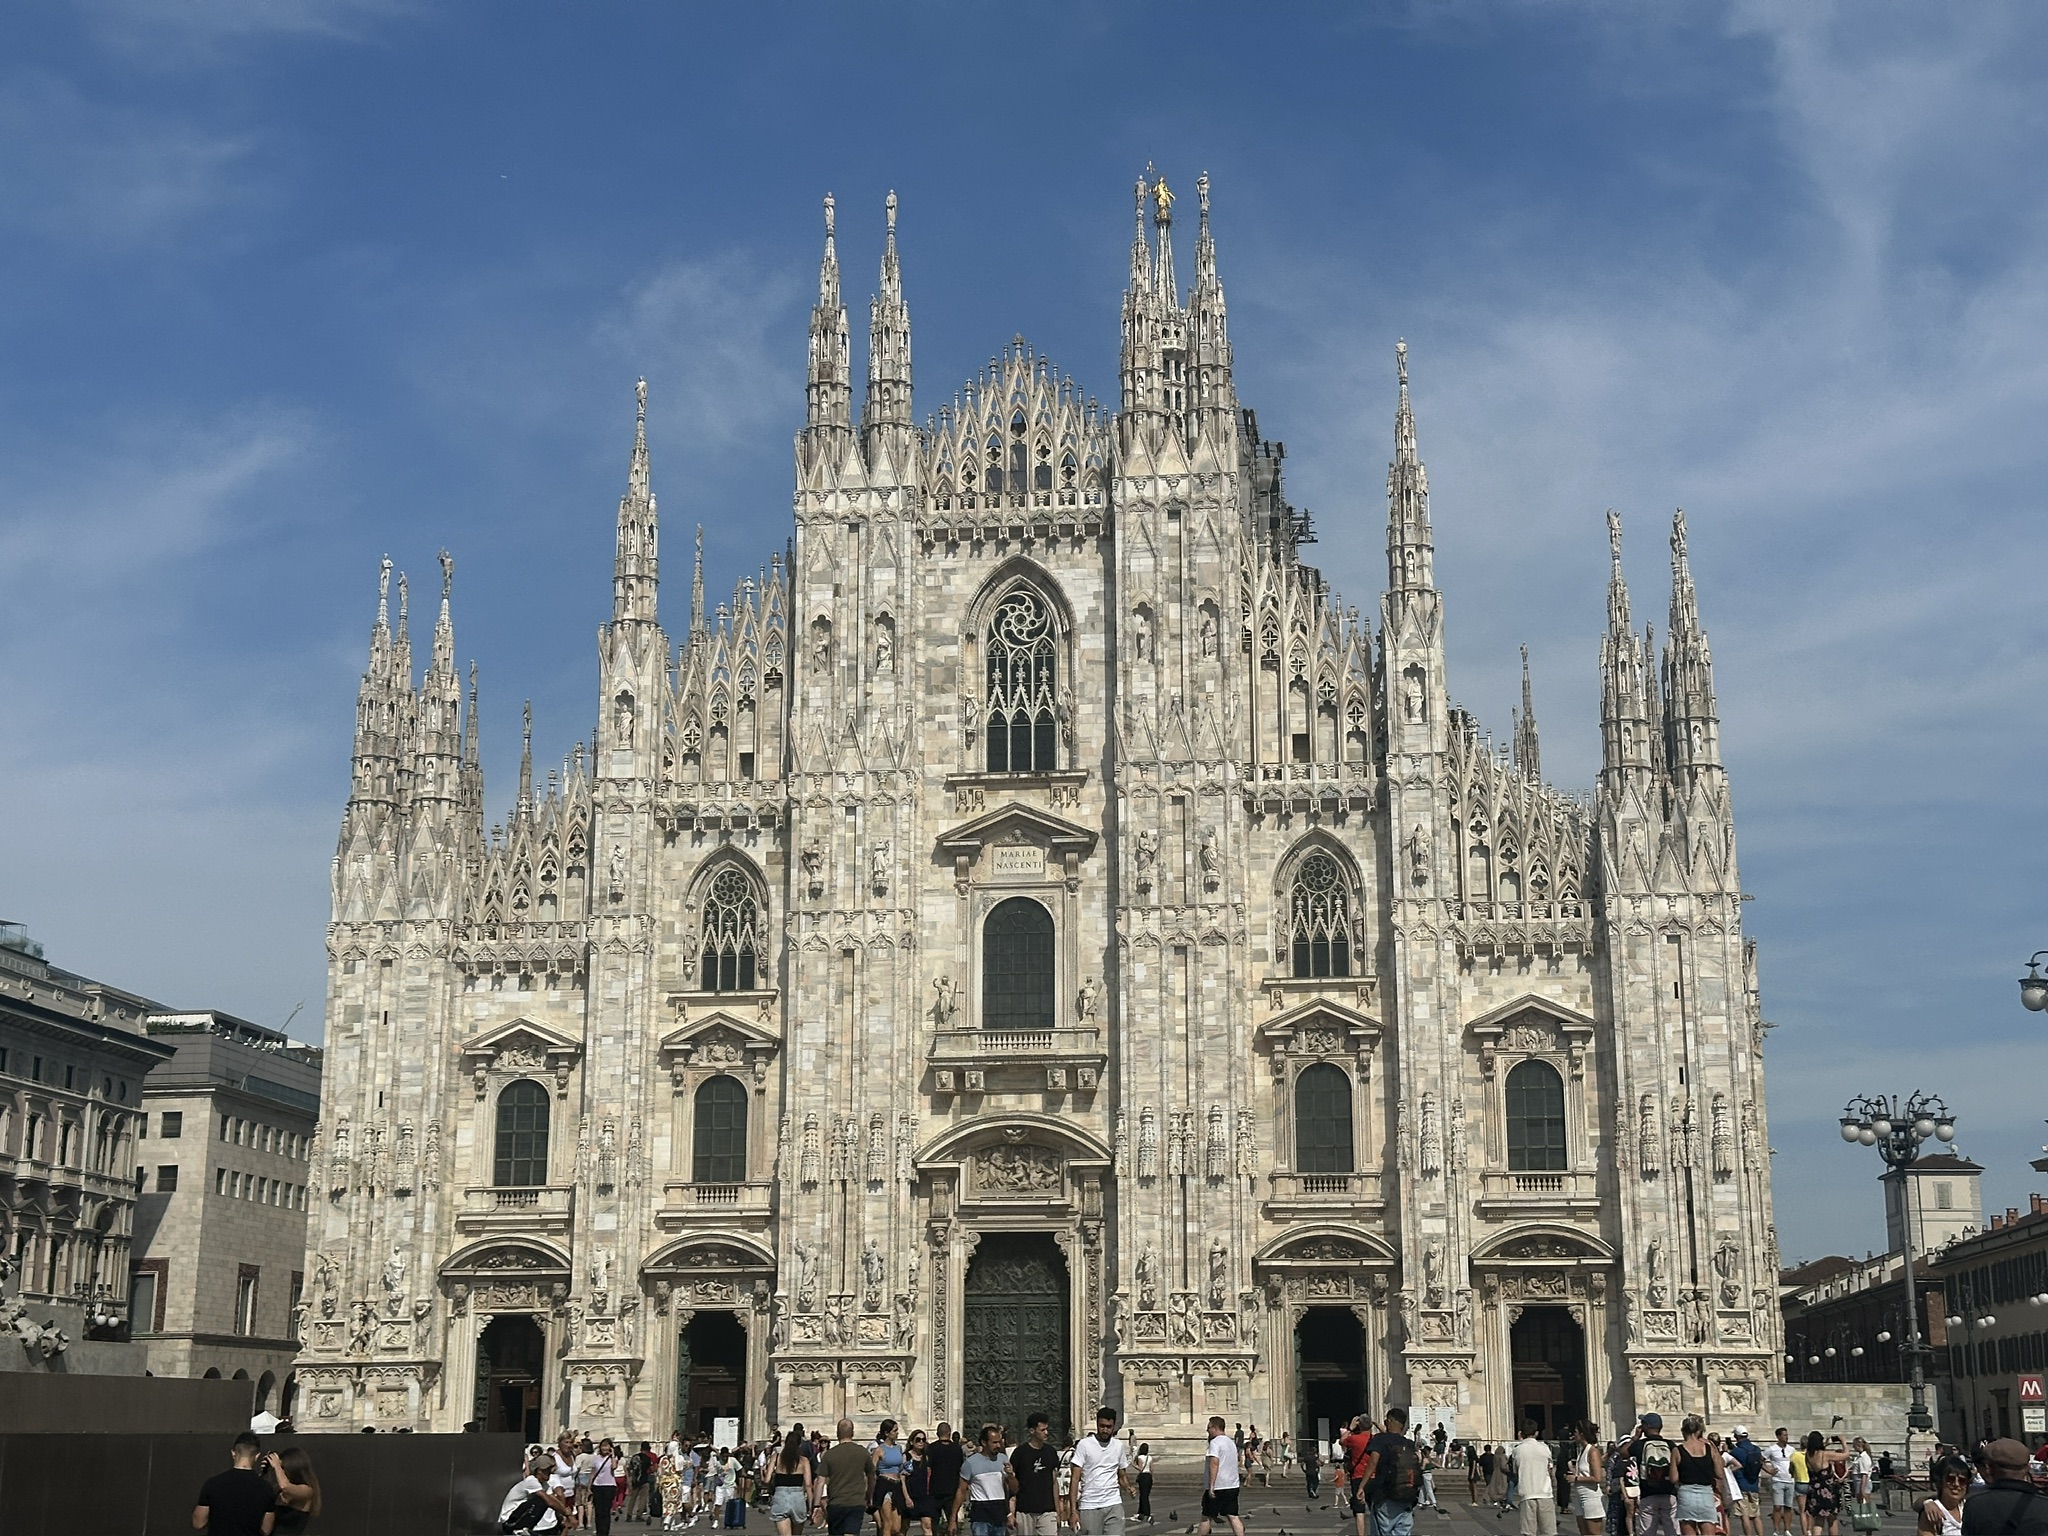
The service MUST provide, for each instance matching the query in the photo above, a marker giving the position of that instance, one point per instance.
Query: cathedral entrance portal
(1549, 1351)
(1015, 1356)
(1329, 1349)
(711, 1381)
(511, 1358)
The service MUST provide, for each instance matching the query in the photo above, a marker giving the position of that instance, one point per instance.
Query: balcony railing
(688, 1204)
(1522, 1191)
(966, 1045)
(1322, 1191)
(527, 1208)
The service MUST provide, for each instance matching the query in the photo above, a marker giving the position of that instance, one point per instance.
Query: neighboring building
(1932, 1201)
(1845, 1319)
(1996, 1283)
(73, 1058)
(1039, 946)
(221, 1230)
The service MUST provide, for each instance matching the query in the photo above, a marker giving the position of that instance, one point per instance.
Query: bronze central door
(1015, 1342)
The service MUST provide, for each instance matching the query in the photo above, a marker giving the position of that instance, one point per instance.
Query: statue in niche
(394, 1281)
(1219, 1274)
(622, 721)
(885, 649)
(618, 868)
(1063, 711)
(878, 865)
(1728, 1265)
(1654, 1281)
(1209, 853)
(1413, 700)
(1086, 1000)
(1146, 850)
(807, 1277)
(1148, 1280)
(1418, 856)
(1141, 636)
(946, 1006)
(874, 1271)
(1433, 1274)
(1208, 633)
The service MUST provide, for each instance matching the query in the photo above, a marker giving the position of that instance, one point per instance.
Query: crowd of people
(914, 1484)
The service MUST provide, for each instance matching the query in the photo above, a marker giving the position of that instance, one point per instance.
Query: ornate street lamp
(1898, 1132)
(2034, 986)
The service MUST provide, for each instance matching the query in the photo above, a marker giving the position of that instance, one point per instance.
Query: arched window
(1017, 966)
(719, 1134)
(1535, 1119)
(732, 934)
(1022, 731)
(1322, 1120)
(522, 1160)
(1319, 918)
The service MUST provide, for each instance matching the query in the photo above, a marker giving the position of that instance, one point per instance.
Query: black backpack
(526, 1516)
(1398, 1478)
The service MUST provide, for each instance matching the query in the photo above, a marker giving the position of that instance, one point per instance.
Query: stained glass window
(1022, 730)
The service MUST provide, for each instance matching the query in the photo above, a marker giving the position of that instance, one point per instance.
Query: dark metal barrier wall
(37, 1402)
(143, 1485)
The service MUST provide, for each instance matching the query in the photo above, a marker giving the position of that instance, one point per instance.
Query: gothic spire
(470, 758)
(697, 587)
(1624, 680)
(443, 664)
(1164, 279)
(635, 566)
(1410, 543)
(377, 710)
(827, 391)
(1528, 755)
(522, 810)
(1141, 254)
(886, 415)
(1212, 399)
(1693, 716)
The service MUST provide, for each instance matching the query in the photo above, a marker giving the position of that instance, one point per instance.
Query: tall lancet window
(730, 956)
(1023, 733)
(1319, 918)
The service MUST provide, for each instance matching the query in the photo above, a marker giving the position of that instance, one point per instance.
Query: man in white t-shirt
(1778, 1463)
(1101, 1478)
(1220, 1481)
(533, 1486)
(1535, 1483)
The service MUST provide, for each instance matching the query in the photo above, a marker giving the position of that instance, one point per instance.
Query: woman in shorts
(789, 1484)
(1588, 1479)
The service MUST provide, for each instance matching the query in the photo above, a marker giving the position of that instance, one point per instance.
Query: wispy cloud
(81, 170)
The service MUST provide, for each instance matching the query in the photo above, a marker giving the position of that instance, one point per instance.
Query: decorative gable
(522, 1046)
(1532, 1026)
(718, 1041)
(1019, 840)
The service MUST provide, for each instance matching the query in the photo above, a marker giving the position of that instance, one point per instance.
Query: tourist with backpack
(1656, 1465)
(1354, 1459)
(1393, 1477)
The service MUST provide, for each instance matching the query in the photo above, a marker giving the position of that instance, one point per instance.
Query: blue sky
(287, 284)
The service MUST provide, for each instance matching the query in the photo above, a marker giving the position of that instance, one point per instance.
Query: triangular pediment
(528, 1036)
(1018, 823)
(1550, 1010)
(1319, 1013)
(718, 1031)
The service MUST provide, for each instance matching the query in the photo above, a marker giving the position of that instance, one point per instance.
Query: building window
(173, 1124)
(245, 1299)
(732, 934)
(1017, 966)
(1318, 938)
(1535, 1103)
(522, 1160)
(719, 1133)
(1322, 1120)
(142, 1294)
(220, 1181)
(1944, 1197)
(167, 1179)
(1023, 686)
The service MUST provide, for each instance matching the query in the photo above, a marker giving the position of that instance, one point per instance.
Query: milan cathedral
(1036, 946)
